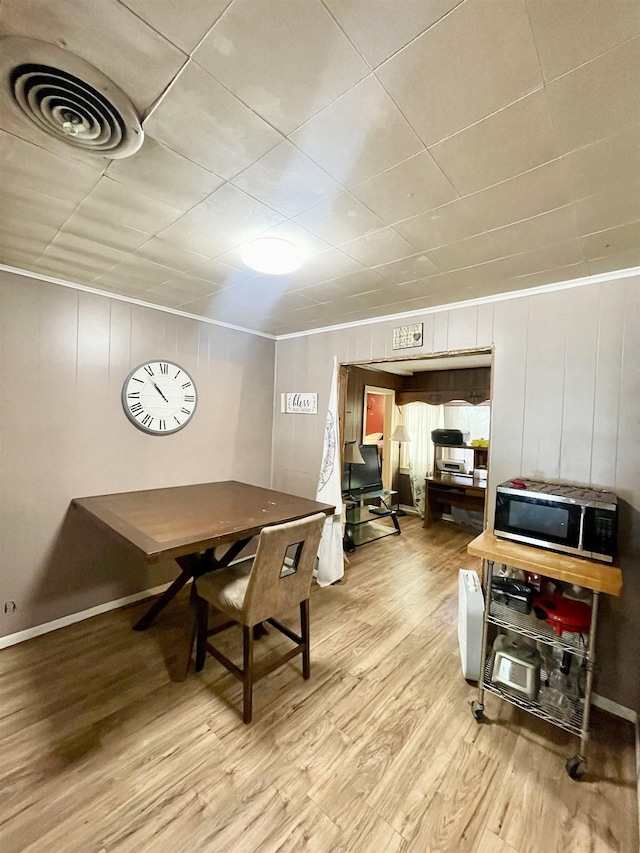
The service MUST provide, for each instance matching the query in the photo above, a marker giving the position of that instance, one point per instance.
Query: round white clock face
(159, 397)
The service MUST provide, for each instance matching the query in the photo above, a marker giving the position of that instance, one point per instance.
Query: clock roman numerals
(159, 397)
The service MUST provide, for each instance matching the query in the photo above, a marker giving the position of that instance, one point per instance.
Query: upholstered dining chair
(277, 580)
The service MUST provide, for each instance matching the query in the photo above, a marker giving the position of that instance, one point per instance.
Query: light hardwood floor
(102, 750)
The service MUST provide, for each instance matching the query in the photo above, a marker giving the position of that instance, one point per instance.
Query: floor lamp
(352, 456)
(400, 434)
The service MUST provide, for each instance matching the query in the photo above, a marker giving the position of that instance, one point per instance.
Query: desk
(452, 490)
(188, 522)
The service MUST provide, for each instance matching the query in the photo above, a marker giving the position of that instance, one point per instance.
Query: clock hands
(159, 391)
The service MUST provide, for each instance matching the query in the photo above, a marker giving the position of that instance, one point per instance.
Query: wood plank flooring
(103, 750)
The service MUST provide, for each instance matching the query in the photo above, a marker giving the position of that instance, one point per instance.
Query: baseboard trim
(614, 708)
(72, 618)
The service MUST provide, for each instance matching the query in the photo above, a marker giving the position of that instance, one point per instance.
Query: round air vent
(69, 99)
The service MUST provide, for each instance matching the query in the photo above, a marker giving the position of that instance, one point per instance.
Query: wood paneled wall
(64, 355)
(565, 406)
(357, 379)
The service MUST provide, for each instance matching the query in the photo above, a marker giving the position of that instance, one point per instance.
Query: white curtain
(330, 553)
(420, 419)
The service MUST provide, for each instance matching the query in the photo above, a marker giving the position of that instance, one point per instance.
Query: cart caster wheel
(477, 710)
(574, 767)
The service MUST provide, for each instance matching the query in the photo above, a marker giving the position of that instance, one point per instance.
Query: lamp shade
(400, 433)
(352, 454)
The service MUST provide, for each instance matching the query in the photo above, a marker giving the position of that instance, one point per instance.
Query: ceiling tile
(160, 252)
(465, 253)
(105, 230)
(441, 226)
(28, 206)
(183, 183)
(220, 273)
(363, 281)
(381, 247)
(442, 285)
(184, 288)
(571, 33)
(124, 205)
(26, 167)
(546, 258)
(79, 254)
(598, 99)
(610, 263)
(408, 269)
(411, 187)
(443, 81)
(340, 219)
(617, 206)
(511, 141)
(138, 272)
(326, 265)
(104, 33)
(64, 269)
(298, 62)
(614, 241)
(287, 180)
(596, 167)
(359, 135)
(220, 222)
(229, 136)
(183, 23)
(556, 226)
(537, 279)
(376, 28)
(540, 190)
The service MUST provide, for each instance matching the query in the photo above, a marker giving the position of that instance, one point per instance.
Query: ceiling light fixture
(272, 255)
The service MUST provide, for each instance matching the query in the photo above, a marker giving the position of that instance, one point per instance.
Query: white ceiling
(420, 152)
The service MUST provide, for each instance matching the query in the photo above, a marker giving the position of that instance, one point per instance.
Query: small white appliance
(453, 466)
(516, 665)
(470, 613)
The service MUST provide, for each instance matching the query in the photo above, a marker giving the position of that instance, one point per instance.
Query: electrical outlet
(9, 607)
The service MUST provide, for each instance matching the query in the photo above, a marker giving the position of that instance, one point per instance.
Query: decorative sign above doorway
(407, 336)
(300, 403)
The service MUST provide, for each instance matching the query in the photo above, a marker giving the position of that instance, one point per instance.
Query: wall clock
(159, 397)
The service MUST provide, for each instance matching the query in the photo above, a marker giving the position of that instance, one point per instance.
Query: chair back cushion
(273, 586)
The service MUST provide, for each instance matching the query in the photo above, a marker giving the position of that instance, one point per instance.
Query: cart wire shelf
(537, 629)
(571, 723)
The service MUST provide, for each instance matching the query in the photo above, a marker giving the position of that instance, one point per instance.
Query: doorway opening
(388, 392)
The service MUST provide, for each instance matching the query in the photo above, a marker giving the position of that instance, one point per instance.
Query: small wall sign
(300, 403)
(407, 336)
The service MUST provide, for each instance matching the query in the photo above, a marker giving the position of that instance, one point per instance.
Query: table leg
(192, 566)
(187, 566)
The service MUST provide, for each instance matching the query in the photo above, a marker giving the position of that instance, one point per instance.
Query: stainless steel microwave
(571, 519)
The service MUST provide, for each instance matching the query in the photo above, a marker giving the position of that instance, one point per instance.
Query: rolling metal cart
(596, 577)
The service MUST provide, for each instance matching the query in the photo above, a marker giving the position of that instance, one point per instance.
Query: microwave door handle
(581, 531)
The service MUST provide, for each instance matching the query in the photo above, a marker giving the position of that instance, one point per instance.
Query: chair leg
(304, 631)
(203, 625)
(247, 672)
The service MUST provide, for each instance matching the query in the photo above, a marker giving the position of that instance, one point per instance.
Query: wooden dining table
(187, 523)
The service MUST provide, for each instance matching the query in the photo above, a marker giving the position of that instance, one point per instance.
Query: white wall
(566, 397)
(63, 434)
